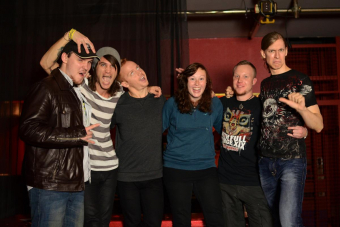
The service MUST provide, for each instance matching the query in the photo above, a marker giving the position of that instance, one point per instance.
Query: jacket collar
(61, 80)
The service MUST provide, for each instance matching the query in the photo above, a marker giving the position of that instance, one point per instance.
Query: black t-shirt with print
(237, 164)
(277, 116)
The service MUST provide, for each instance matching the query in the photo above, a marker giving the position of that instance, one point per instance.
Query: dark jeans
(142, 197)
(99, 198)
(206, 190)
(56, 209)
(283, 182)
(252, 197)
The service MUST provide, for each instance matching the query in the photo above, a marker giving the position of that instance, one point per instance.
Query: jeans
(142, 197)
(99, 198)
(252, 197)
(283, 183)
(206, 190)
(56, 209)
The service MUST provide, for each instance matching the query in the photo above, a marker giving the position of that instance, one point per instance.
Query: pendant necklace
(241, 106)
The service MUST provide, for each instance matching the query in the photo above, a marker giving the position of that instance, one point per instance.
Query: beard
(240, 93)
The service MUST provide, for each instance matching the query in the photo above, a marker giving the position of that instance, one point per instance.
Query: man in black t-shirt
(288, 100)
(138, 117)
(237, 166)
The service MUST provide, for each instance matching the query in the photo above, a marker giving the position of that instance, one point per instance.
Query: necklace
(250, 97)
(194, 104)
(241, 106)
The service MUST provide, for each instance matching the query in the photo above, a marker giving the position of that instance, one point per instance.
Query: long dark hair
(115, 85)
(182, 96)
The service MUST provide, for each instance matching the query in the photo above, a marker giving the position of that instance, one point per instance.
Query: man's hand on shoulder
(229, 92)
(157, 91)
(179, 71)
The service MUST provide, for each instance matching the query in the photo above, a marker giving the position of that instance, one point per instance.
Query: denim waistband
(286, 158)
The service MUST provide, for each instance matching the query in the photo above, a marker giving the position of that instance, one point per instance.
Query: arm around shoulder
(49, 61)
(218, 109)
(167, 112)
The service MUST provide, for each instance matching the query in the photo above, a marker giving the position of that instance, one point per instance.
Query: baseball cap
(105, 51)
(73, 47)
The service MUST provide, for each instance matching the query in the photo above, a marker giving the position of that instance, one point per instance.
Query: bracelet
(306, 134)
(71, 33)
(67, 35)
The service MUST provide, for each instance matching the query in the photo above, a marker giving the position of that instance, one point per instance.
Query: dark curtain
(152, 33)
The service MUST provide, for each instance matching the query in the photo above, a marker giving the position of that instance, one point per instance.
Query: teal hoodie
(190, 140)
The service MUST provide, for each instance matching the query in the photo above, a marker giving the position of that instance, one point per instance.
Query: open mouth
(143, 78)
(196, 91)
(106, 79)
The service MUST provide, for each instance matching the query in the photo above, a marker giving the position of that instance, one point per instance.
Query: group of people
(72, 169)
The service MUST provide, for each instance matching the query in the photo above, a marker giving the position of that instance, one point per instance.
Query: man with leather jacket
(53, 126)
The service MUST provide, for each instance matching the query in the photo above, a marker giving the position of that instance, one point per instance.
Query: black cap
(73, 47)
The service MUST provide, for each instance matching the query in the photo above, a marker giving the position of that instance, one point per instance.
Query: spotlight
(266, 8)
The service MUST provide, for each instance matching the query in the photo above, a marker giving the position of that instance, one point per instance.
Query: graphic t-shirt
(277, 116)
(237, 164)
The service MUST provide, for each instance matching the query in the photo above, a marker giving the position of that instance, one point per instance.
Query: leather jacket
(51, 126)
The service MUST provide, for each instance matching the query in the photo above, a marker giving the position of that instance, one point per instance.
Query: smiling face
(243, 80)
(106, 74)
(197, 84)
(75, 67)
(275, 56)
(133, 77)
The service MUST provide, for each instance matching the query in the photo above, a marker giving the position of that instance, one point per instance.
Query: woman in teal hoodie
(189, 158)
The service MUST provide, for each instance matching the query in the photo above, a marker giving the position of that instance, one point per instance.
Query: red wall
(221, 54)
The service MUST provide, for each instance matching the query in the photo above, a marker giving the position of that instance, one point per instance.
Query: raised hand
(295, 100)
(89, 133)
(179, 71)
(81, 39)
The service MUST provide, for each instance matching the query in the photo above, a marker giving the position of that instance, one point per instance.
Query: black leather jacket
(51, 126)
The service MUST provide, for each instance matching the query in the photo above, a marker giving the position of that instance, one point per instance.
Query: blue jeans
(56, 209)
(283, 183)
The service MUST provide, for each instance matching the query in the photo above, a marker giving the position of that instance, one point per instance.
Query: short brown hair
(245, 62)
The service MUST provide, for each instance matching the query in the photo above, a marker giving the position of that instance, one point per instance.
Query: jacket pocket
(65, 117)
